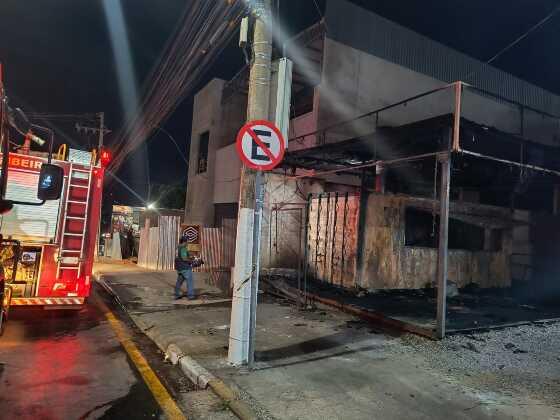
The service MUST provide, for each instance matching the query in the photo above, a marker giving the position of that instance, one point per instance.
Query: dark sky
(57, 56)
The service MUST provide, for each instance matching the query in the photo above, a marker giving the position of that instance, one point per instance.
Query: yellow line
(165, 401)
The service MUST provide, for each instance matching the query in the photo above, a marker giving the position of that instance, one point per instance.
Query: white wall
(199, 208)
(227, 174)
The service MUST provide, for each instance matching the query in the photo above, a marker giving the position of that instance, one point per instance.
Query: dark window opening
(422, 230)
(202, 164)
(494, 239)
(302, 102)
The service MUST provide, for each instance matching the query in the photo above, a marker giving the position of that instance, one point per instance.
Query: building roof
(385, 39)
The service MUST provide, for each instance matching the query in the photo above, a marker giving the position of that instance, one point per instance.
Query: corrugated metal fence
(158, 247)
(218, 254)
(158, 244)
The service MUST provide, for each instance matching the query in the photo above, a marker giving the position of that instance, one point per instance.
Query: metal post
(344, 239)
(333, 242)
(306, 247)
(300, 262)
(259, 195)
(4, 141)
(326, 247)
(245, 270)
(445, 161)
(317, 234)
(362, 212)
(457, 116)
(99, 147)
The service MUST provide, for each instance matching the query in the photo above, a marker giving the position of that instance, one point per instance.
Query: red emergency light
(105, 158)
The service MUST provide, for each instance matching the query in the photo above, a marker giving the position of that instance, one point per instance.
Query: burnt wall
(389, 264)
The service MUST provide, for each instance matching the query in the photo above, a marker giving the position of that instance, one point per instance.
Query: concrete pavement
(321, 364)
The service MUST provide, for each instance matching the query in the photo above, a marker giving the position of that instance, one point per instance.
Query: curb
(201, 377)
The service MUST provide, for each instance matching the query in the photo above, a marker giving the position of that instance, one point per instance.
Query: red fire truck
(53, 244)
(50, 209)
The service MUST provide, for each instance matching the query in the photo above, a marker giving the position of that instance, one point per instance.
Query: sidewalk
(322, 364)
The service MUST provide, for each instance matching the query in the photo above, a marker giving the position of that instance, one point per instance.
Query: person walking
(184, 266)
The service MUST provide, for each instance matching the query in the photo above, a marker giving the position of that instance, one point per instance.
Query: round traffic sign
(260, 145)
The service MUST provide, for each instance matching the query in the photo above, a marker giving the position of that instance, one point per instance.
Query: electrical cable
(204, 30)
(516, 41)
(321, 15)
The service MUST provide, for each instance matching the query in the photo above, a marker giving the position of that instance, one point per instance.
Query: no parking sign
(260, 145)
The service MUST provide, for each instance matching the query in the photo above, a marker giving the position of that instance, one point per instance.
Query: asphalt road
(56, 365)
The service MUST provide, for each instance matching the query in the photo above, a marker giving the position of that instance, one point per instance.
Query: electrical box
(244, 32)
(284, 97)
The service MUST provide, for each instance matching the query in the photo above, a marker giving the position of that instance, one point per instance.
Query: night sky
(57, 57)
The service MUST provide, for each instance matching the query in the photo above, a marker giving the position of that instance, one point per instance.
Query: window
(202, 163)
(422, 230)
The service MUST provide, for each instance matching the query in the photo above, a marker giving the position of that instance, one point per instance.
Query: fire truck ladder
(71, 258)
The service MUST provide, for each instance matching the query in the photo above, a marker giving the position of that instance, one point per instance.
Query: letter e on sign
(260, 145)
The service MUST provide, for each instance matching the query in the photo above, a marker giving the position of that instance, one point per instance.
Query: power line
(320, 14)
(517, 40)
(204, 30)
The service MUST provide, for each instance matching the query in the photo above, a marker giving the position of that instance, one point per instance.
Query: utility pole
(99, 147)
(101, 131)
(246, 270)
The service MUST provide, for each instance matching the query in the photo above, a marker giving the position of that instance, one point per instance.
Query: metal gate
(331, 238)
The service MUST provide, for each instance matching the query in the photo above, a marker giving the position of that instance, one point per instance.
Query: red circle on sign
(246, 130)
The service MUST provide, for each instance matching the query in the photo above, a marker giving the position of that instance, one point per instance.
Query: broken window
(202, 164)
(422, 230)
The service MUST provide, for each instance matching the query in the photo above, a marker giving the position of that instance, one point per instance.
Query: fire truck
(49, 249)
(50, 209)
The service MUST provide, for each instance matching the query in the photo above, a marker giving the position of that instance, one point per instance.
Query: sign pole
(259, 203)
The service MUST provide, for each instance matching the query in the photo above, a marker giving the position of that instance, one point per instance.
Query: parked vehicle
(57, 239)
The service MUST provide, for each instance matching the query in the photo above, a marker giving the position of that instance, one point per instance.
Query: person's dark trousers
(185, 276)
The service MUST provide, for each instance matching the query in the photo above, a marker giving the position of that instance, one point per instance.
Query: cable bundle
(205, 29)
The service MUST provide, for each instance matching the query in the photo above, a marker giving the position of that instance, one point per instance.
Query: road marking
(165, 401)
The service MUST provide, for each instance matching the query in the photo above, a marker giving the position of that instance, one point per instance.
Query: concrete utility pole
(245, 275)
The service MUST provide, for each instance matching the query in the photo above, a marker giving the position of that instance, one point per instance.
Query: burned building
(411, 169)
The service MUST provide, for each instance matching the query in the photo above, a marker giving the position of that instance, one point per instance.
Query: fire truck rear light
(105, 158)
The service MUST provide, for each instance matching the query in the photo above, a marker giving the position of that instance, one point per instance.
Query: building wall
(222, 121)
(227, 175)
(389, 264)
(355, 82)
(206, 117)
